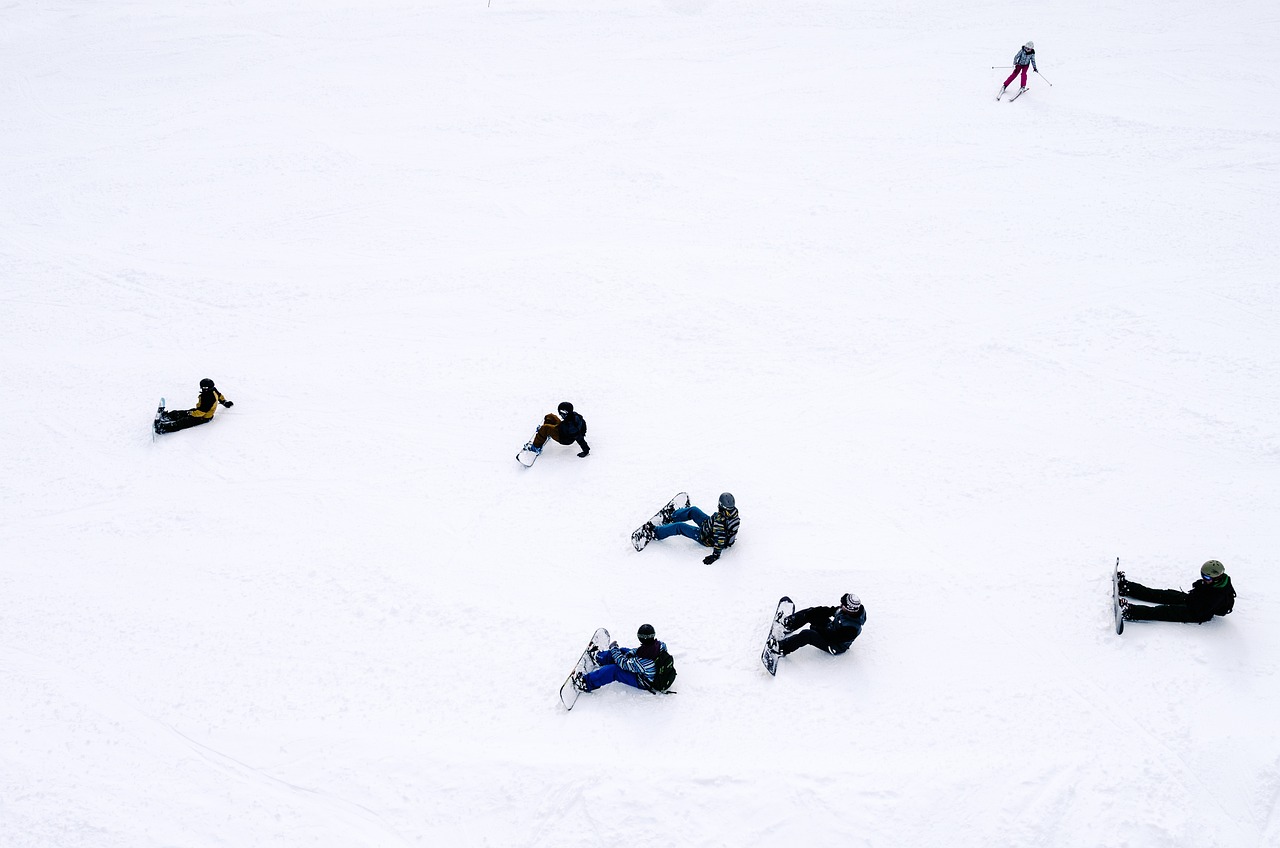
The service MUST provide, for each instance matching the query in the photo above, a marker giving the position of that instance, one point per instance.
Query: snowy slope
(952, 354)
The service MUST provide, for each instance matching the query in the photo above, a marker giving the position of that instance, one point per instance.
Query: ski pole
(1042, 77)
(995, 67)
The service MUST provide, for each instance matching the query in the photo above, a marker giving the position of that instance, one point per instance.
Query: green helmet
(1212, 570)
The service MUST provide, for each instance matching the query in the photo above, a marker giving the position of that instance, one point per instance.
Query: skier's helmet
(1212, 570)
(850, 602)
(206, 384)
(565, 408)
(1030, 45)
(726, 501)
(646, 633)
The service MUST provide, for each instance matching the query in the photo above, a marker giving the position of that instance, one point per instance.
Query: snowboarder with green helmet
(1211, 595)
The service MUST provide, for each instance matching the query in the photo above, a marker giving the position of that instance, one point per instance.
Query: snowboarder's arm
(223, 400)
(627, 661)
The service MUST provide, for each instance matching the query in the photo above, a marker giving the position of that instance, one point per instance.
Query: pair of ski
(1019, 93)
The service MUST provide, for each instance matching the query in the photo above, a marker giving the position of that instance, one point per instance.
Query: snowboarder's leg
(689, 513)
(606, 674)
(801, 638)
(548, 429)
(803, 617)
(1155, 596)
(666, 531)
(1137, 612)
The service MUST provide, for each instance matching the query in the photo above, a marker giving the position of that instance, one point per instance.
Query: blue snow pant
(678, 527)
(609, 672)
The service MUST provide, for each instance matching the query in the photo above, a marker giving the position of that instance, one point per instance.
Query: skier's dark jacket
(843, 628)
(1208, 598)
(720, 530)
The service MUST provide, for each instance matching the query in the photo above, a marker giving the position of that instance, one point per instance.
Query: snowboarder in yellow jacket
(170, 420)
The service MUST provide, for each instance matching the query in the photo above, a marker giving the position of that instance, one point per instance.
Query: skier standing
(566, 429)
(1211, 595)
(632, 666)
(717, 531)
(171, 420)
(831, 629)
(1025, 56)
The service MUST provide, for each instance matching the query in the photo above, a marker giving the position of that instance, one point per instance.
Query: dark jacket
(720, 530)
(1208, 598)
(842, 628)
(572, 428)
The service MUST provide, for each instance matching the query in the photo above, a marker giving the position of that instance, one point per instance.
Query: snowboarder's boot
(772, 644)
(1124, 610)
(789, 624)
(531, 449)
(667, 511)
(580, 682)
(649, 531)
(1121, 583)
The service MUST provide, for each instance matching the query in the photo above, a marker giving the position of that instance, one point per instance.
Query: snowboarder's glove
(228, 404)
(707, 560)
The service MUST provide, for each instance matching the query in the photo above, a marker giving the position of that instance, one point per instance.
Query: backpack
(1228, 603)
(664, 672)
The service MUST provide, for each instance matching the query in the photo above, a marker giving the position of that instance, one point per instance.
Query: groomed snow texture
(952, 354)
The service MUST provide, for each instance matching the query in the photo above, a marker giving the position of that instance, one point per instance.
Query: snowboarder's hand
(707, 560)
(228, 404)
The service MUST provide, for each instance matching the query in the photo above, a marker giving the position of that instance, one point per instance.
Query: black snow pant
(1174, 605)
(178, 419)
(809, 636)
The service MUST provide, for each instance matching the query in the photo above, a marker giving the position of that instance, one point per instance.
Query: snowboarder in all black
(718, 530)
(1025, 56)
(831, 629)
(180, 419)
(1211, 595)
(566, 429)
(632, 666)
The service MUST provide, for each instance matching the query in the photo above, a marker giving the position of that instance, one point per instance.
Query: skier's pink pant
(1016, 70)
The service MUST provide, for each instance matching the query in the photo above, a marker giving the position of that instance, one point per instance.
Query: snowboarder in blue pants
(632, 666)
(718, 531)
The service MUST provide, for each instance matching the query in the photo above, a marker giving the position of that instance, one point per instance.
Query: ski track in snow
(954, 357)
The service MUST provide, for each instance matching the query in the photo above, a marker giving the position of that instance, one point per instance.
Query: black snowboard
(770, 655)
(639, 539)
(1115, 598)
(155, 425)
(586, 663)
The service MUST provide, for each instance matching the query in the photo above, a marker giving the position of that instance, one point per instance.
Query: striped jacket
(630, 659)
(720, 530)
(1026, 57)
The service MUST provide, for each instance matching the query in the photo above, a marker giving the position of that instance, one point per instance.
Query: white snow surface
(951, 354)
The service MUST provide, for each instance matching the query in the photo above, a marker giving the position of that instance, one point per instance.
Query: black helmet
(726, 501)
(206, 384)
(646, 633)
(564, 408)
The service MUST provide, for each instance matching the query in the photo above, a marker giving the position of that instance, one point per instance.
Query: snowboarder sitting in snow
(637, 667)
(171, 420)
(717, 531)
(831, 629)
(570, 427)
(1025, 56)
(1211, 595)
